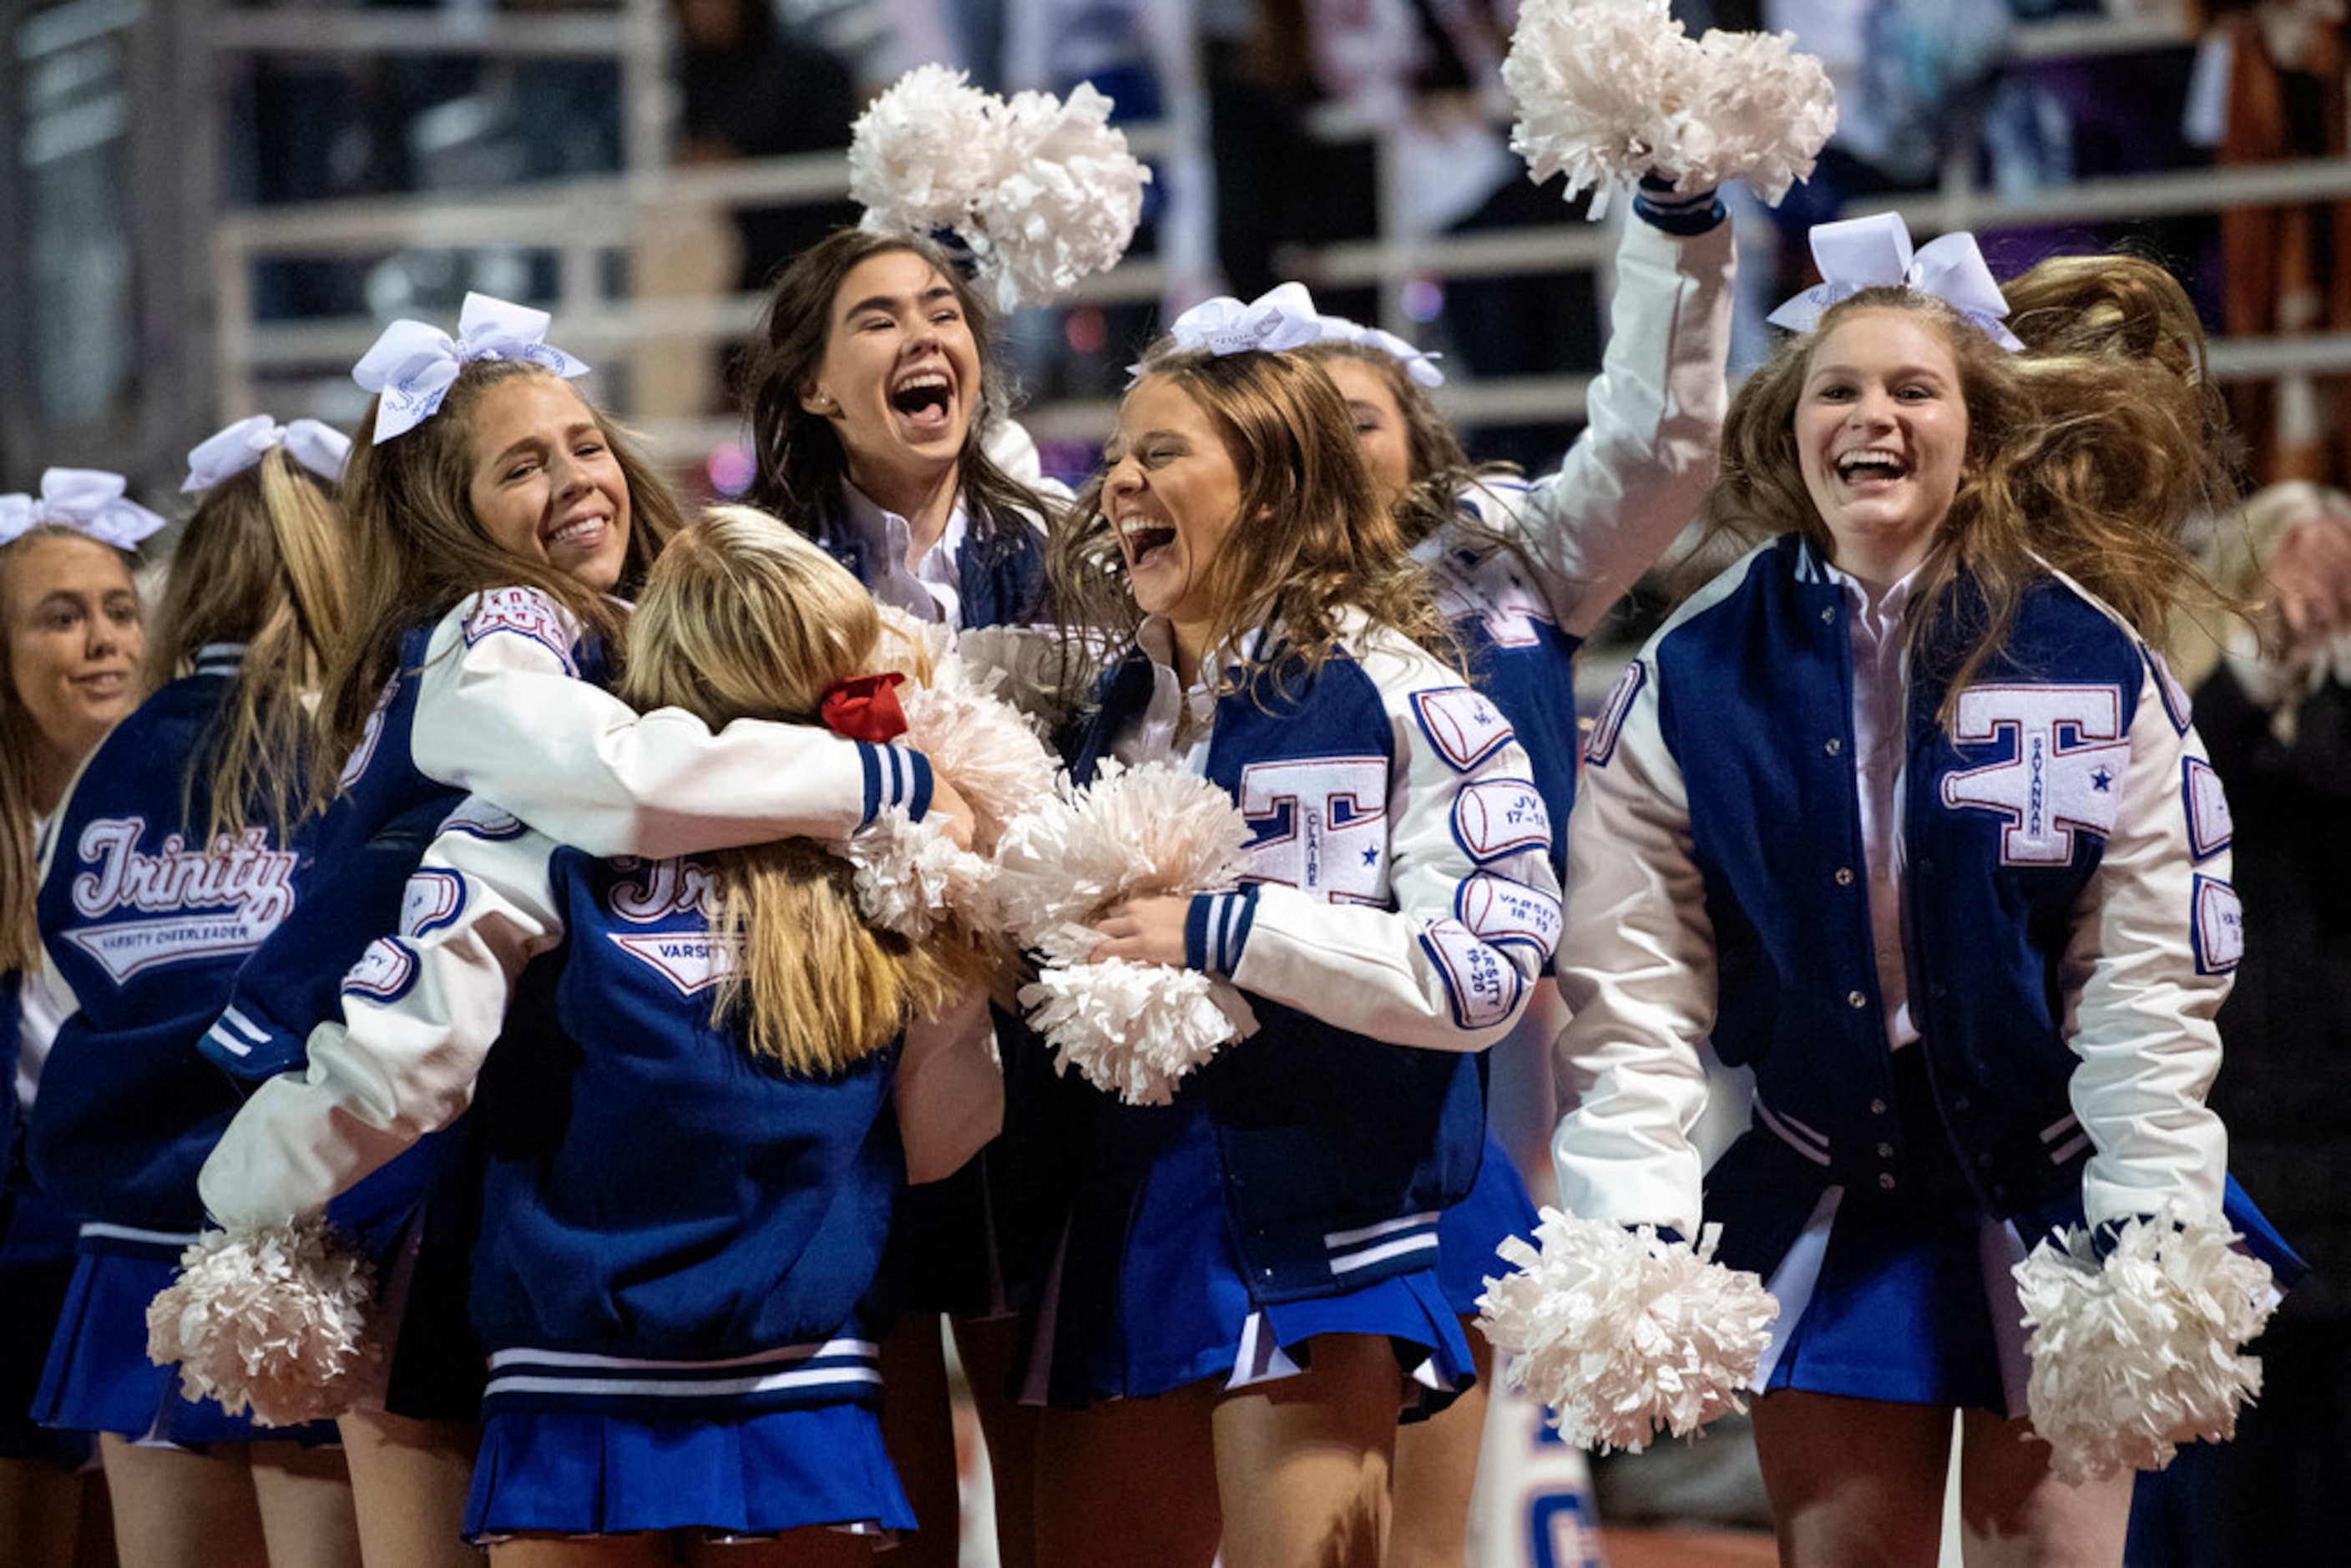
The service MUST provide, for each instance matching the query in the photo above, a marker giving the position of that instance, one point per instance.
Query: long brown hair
(801, 464)
(263, 563)
(1440, 469)
(743, 618)
(1317, 543)
(419, 551)
(2088, 452)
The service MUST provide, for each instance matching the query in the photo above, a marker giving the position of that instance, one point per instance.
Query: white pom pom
(923, 154)
(1042, 191)
(1763, 113)
(1609, 91)
(1066, 200)
(1623, 1334)
(983, 747)
(1134, 1029)
(1596, 83)
(911, 877)
(275, 1319)
(2138, 1353)
(1144, 829)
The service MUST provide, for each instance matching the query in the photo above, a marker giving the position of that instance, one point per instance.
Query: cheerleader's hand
(1147, 930)
(950, 810)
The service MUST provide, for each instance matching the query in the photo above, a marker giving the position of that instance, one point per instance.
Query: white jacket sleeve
(501, 714)
(1636, 971)
(2153, 950)
(1639, 472)
(419, 1014)
(1449, 967)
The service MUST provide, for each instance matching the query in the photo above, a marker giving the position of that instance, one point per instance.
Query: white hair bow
(87, 500)
(1874, 251)
(1281, 318)
(320, 448)
(1420, 365)
(413, 363)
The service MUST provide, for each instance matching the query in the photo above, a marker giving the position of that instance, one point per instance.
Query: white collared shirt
(931, 589)
(1880, 745)
(1175, 725)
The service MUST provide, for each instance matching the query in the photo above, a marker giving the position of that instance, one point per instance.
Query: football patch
(477, 818)
(2209, 829)
(1481, 986)
(2219, 927)
(384, 972)
(1500, 817)
(525, 613)
(1501, 912)
(1462, 725)
(431, 899)
(1599, 742)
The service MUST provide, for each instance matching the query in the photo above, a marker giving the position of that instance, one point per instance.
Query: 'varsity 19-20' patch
(1481, 985)
(2219, 927)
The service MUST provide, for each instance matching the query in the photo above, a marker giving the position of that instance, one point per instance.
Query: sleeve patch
(2220, 928)
(431, 900)
(2176, 704)
(1482, 987)
(526, 613)
(477, 817)
(384, 973)
(1600, 743)
(1499, 817)
(2209, 828)
(1502, 912)
(1462, 725)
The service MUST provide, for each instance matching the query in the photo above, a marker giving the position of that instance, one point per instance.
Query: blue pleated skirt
(97, 1377)
(1165, 1301)
(1497, 1207)
(592, 1474)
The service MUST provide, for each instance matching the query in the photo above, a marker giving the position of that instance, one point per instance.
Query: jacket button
(1828, 616)
(1856, 998)
(1844, 876)
(1886, 1150)
(1834, 746)
(1886, 1181)
(1877, 1107)
(1963, 1103)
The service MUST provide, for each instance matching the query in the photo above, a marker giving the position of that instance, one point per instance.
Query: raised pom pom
(1623, 1333)
(275, 1319)
(2137, 1354)
(1042, 191)
(1609, 91)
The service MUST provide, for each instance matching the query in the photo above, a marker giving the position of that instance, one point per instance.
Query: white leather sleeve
(1639, 472)
(503, 715)
(1415, 975)
(1636, 971)
(396, 1068)
(2150, 960)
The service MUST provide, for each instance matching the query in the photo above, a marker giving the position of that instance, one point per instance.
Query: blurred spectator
(750, 90)
(2287, 270)
(2275, 713)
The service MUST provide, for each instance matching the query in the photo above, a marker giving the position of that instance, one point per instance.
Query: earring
(824, 404)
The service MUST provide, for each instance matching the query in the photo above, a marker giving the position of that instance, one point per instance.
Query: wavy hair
(1317, 542)
(744, 618)
(263, 562)
(2089, 452)
(418, 551)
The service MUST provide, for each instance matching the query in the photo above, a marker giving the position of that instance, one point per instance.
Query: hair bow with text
(1281, 318)
(87, 500)
(1855, 253)
(320, 448)
(411, 365)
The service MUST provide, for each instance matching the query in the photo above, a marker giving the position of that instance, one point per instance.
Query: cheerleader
(691, 1165)
(1902, 812)
(73, 642)
(499, 521)
(166, 863)
(1249, 1285)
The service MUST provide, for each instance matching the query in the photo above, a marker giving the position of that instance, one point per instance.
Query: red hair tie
(863, 707)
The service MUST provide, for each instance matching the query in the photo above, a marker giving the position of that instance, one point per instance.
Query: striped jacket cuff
(1216, 929)
(894, 776)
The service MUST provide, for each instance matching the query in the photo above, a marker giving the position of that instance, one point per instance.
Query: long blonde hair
(265, 562)
(2089, 451)
(743, 618)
